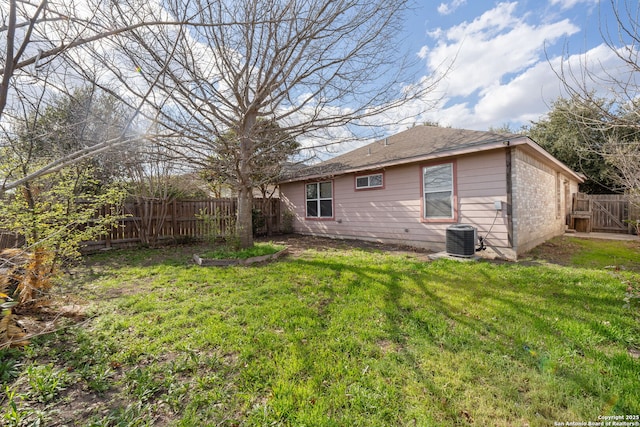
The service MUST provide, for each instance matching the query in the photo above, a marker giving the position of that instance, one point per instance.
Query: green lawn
(342, 337)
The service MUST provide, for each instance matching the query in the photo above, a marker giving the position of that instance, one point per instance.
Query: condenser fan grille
(461, 240)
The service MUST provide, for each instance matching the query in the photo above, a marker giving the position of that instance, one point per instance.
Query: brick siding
(538, 202)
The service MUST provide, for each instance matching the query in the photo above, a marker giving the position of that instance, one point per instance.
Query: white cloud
(422, 54)
(524, 98)
(529, 95)
(568, 4)
(493, 45)
(446, 9)
(504, 70)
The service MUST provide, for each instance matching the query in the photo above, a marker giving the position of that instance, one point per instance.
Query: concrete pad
(604, 236)
(446, 255)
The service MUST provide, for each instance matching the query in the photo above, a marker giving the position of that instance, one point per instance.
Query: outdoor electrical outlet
(498, 205)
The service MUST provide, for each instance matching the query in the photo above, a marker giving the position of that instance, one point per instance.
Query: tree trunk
(244, 221)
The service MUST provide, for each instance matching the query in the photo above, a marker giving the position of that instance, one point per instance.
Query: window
(319, 200)
(369, 181)
(437, 185)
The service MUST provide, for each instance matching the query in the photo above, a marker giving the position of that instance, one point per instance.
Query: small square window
(369, 181)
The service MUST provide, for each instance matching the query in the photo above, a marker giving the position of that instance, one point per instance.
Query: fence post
(174, 220)
(107, 233)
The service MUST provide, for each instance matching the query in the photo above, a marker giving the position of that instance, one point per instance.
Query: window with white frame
(369, 181)
(437, 185)
(319, 197)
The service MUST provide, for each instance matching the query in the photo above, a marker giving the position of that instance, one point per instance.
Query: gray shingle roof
(412, 144)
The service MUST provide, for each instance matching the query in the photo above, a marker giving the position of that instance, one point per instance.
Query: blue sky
(505, 54)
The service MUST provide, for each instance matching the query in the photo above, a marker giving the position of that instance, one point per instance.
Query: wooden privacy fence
(605, 213)
(10, 239)
(154, 221)
(151, 221)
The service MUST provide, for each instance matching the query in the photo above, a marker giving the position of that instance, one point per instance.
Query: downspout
(509, 173)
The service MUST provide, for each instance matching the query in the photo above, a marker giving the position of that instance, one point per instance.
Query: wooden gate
(606, 213)
(610, 211)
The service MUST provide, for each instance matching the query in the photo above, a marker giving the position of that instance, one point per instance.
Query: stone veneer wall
(536, 215)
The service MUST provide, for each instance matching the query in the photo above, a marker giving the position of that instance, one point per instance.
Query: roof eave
(469, 149)
(525, 140)
(403, 161)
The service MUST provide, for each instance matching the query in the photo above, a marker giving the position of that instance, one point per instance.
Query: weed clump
(25, 282)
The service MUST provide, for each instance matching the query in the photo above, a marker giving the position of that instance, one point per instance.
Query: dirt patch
(298, 244)
(557, 251)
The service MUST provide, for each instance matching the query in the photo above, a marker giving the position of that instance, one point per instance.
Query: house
(410, 187)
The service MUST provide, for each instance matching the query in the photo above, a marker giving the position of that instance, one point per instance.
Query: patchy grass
(258, 249)
(338, 337)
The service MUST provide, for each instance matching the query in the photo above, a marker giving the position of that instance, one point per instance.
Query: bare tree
(34, 38)
(37, 40)
(40, 33)
(323, 69)
(617, 119)
(563, 134)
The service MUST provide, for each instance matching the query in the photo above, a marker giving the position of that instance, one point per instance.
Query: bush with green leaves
(64, 206)
(61, 212)
(55, 215)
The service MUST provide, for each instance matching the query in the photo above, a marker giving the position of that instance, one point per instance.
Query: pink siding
(481, 182)
(393, 214)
